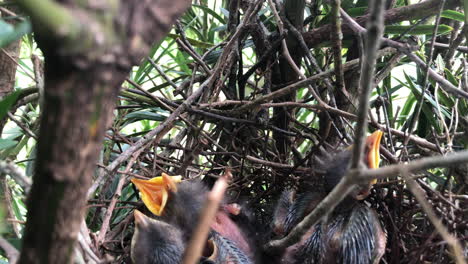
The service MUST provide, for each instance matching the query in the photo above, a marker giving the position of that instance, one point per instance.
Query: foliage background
(212, 134)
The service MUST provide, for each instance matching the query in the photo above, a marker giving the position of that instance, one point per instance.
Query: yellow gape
(155, 191)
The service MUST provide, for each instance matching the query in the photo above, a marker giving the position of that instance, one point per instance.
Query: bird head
(174, 201)
(155, 191)
(155, 241)
(338, 166)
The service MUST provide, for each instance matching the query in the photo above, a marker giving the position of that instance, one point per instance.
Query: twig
(414, 166)
(22, 126)
(194, 249)
(11, 252)
(336, 38)
(372, 42)
(10, 169)
(269, 163)
(161, 72)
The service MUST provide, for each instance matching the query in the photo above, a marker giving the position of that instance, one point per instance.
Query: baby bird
(177, 205)
(352, 233)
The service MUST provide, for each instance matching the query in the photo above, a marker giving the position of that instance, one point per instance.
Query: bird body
(351, 234)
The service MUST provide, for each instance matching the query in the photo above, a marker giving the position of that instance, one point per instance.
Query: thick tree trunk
(87, 57)
(78, 105)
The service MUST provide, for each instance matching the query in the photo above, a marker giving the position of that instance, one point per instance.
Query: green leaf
(7, 143)
(194, 42)
(5, 28)
(211, 12)
(8, 33)
(454, 15)
(450, 77)
(146, 116)
(417, 30)
(7, 102)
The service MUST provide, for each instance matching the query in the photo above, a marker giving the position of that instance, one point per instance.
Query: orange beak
(140, 218)
(155, 191)
(373, 145)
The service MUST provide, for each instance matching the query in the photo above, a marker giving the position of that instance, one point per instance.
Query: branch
(11, 252)
(375, 29)
(394, 170)
(194, 249)
(10, 169)
(412, 12)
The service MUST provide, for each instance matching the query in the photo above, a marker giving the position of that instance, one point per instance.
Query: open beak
(155, 191)
(373, 145)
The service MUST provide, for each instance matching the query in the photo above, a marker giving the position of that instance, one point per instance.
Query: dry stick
(9, 168)
(11, 252)
(463, 49)
(444, 84)
(161, 72)
(312, 107)
(372, 41)
(86, 243)
(269, 163)
(284, 46)
(392, 171)
(22, 126)
(336, 38)
(115, 197)
(287, 55)
(449, 238)
(346, 184)
(454, 45)
(197, 242)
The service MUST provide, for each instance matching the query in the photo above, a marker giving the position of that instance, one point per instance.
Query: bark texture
(83, 74)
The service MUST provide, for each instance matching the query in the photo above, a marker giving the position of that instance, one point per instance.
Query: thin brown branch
(336, 38)
(374, 32)
(394, 170)
(194, 249)
(11, 252)
(21, 179)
